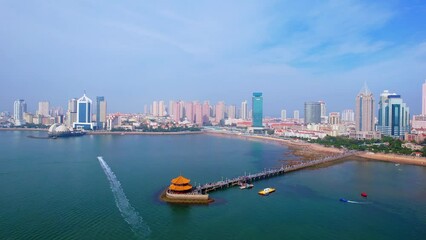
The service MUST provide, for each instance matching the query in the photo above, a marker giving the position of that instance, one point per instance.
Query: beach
(310, 151)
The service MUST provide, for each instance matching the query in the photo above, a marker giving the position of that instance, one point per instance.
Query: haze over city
(136, 52)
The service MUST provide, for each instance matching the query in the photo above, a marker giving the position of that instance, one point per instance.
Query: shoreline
(144, 133)
(394, 158)
(309, 151)
(301, 150)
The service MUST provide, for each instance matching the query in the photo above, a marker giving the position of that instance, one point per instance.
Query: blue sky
(134, 52)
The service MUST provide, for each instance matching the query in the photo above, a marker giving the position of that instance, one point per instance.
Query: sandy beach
(402, 159)
(302, 150)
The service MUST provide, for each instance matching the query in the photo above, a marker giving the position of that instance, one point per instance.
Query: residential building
(283, 115)
(101, 112)
(244, 110)
(43, 108)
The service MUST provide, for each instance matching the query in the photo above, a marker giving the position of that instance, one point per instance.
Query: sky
(135, 52)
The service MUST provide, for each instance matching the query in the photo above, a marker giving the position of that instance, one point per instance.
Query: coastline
(302, 150)
(144, 133)
(309, 151)
(25, 129)
(394, 158)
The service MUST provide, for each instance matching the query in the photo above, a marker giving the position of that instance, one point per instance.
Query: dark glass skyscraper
(312, 112)
(257, 109)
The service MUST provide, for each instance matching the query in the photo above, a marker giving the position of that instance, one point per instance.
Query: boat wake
(129, 213)
(353, 202)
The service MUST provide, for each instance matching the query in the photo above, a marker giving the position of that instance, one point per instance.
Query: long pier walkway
(209, 187)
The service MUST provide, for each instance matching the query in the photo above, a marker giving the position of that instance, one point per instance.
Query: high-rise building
(198, 113)
(189, 111)
(394, 115)
(312, 112)
(206, 112)
(424, 98)
(101, 112)
(296, 115)
(364, 110)
(232, 112)
(334, 118)
(283, 115)
(43, 108)
(257, 108)
(220, 112)
(84, 114)
(176, 111)
(244, 110)
(348, 115)
(155, 109)
(71, 112)
(161, 109)
(19, 108)
(170, 109)
(324, 116)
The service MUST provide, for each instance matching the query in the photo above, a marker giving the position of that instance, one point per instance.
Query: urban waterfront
(56, 188)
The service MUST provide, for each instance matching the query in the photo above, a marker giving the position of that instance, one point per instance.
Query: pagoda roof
(180, 188)
(180, 180)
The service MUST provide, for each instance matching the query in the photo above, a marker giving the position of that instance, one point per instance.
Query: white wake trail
(129, 213)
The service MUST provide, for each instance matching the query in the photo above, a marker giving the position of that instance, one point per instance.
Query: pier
(223, 184)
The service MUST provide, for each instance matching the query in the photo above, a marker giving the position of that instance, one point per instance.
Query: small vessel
(343, 200)
(397, 164)
(364, 194)
(267, 191)
(246, 186)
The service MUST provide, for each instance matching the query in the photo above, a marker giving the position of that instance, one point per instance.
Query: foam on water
(129, 213)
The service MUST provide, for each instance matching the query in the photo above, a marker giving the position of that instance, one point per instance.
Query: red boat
(363, 194)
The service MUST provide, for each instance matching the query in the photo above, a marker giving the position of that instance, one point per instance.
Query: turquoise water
(57, 189)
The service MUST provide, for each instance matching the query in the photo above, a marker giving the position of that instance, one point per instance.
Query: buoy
(363, 194)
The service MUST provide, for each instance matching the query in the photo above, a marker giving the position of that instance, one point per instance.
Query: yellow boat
(267, 191)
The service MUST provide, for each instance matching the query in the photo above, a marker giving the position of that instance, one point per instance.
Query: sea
(108, 187)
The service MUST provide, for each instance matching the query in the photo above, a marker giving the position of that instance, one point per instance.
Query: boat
(364, 194)
(246, 186)
(267, 191)
(397, 164)
(343, 200)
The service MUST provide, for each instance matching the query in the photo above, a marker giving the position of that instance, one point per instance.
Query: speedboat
(267, 191)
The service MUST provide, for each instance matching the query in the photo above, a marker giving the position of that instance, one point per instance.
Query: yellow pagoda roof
(180, 188)
(180, 180)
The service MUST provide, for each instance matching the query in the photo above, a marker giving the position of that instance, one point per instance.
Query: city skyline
(138, 52)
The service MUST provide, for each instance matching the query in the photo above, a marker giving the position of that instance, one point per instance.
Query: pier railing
(268, 173)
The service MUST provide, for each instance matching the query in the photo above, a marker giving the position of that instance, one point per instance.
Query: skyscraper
(296, 115)
(424, 98)
(312, 112)
(198, 113)
(394, 115)
(206, 112)
(176, 111)
(72, 112)
(189, 111)
(283, 115)
(324, 116)
(257, 108)
(364, 110)
(101, 112)
(232, 112)
(84, 114)
(220, 112)
(43, 108)
(244, 110)
(19, 108)
(161, 109)
(155, 108)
